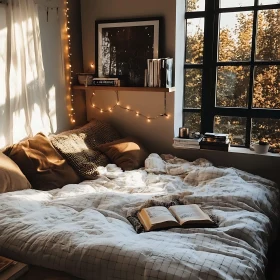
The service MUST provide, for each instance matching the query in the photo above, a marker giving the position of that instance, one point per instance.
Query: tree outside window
(232, 69)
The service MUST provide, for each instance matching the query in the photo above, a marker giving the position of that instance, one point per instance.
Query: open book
(159, 217)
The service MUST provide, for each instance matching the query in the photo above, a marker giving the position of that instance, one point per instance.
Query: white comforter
(82, 229)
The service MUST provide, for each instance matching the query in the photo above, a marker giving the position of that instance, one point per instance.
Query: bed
(82, 229)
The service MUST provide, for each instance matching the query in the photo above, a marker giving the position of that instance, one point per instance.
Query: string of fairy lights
(69, 71)
(128, 109)
(69, 78)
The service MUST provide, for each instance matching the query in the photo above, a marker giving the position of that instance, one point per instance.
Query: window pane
(192, 121)
(235, 36)
(195, 5)
(194, 40)
(232, 86)
(267, 87)
(193, 86)
(234, 126)
(266, 128)
(268, 2)
(239, 3)
(268, 35)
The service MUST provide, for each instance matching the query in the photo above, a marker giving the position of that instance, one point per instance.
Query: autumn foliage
(232, 83)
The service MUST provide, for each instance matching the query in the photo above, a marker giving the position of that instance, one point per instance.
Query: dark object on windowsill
(214, 145)
(195, 135)
(184, 132)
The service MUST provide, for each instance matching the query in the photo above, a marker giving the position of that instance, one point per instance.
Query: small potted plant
(262, 146)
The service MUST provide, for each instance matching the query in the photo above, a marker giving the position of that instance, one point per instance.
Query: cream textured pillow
(11, 177)
(127, 153)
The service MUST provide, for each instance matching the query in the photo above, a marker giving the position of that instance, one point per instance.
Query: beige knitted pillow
(78, 146)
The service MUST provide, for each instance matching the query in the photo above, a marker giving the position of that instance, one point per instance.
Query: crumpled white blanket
(82, 229)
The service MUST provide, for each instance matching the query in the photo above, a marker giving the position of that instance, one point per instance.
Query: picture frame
(123, 47)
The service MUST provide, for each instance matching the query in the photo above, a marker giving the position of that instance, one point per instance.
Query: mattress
(82, 229)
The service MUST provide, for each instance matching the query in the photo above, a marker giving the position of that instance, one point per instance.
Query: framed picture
(123, 47)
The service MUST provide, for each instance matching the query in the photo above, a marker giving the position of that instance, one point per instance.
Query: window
(232, 69)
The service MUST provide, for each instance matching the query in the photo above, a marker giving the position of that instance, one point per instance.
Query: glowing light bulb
(127, 108)
(101, 111)
(118, 103)
(137, 114)
(148, 120)
(93, 105)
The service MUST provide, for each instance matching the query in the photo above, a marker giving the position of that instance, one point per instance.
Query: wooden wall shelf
(150, 89)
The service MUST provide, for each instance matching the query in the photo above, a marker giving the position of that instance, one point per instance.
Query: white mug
(260, 149)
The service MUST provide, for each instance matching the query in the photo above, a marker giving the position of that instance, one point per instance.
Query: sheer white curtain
(26, 106)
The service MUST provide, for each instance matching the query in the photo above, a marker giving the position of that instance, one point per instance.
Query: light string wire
(128, 109)
(69, 64)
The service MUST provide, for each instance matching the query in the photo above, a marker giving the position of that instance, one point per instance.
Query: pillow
(11, 177)
(78, 146)
(43, 166)
(127, 153)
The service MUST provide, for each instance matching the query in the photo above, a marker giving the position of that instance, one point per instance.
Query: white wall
(158, 135)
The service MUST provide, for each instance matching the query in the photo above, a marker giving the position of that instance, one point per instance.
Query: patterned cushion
(78, 146)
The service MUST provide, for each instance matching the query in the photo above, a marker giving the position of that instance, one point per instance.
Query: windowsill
(250, 152)
(237, 150)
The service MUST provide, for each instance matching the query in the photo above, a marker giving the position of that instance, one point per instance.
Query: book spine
(163, 72)
(105, 79)
(221, 139)
(155, 73)
(186, 140)
(169, 66)
(159, 72)
(185, 147)
(216, 148)
(105, 83)
(214, 143)
(150, 72)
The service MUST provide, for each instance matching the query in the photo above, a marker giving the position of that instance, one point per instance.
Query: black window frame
(210, 63)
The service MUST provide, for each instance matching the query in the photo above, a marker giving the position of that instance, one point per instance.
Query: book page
(157, 215)
(191, 212)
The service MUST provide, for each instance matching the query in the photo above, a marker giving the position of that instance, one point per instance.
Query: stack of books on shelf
(215, 141)
(111, 82)
(10, 269)
(186, 143)
(159, 72)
